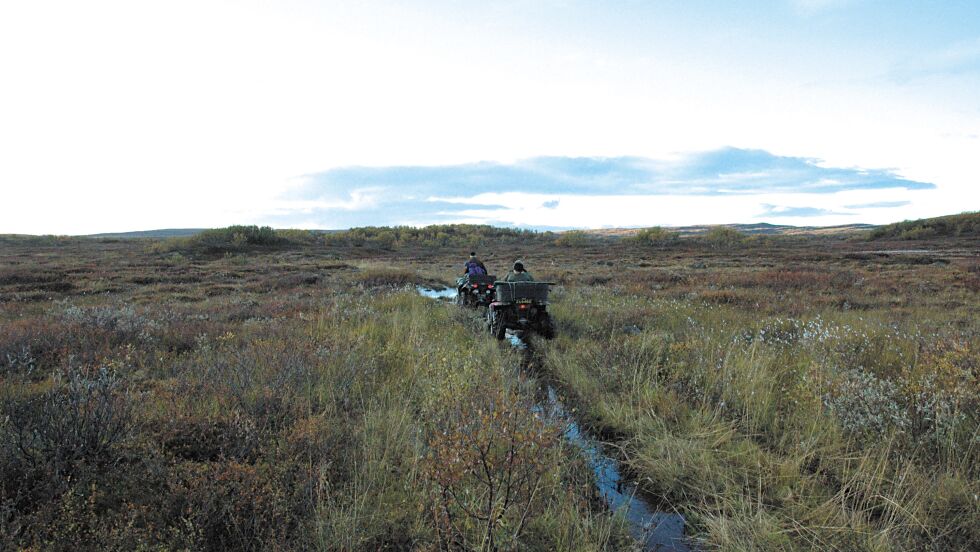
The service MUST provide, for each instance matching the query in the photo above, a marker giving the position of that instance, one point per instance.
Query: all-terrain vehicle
(521, 307)
(475, 290)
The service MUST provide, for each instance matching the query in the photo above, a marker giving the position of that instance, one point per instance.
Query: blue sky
(122, 115)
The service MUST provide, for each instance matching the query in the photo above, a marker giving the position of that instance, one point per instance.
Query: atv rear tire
(497, 327)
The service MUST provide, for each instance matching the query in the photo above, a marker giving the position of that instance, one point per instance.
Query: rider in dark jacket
(474, 266)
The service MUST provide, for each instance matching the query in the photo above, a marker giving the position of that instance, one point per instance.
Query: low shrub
(487, 461)
(723, 236)
(654, 236)
(232, 239)
(81, 419)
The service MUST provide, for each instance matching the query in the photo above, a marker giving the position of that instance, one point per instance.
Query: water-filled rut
(656, 530)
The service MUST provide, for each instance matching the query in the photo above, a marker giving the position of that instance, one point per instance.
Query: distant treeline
(247, 238)
(30, 239)
(240, 239)
(962, 225)
(442, 235)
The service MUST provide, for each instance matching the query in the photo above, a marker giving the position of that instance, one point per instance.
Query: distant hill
(751, 229)
(168, 233)
(163, 233)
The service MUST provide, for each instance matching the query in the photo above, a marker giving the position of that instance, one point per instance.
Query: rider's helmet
(472, 254)
(519, 266)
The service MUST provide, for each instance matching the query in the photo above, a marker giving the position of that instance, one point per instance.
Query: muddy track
(654, 529)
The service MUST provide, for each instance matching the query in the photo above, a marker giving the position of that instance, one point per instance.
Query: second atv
(475, 290)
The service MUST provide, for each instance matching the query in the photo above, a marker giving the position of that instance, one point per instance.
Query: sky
(132, 115)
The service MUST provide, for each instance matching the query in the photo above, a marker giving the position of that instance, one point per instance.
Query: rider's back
(515, 276)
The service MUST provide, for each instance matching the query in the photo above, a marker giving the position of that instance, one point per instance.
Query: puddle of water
(437, 293)
(656, 530)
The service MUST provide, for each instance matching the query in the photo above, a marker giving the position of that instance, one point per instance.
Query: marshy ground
(782, 393)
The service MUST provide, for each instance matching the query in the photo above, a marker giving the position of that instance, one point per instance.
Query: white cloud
(678, 210)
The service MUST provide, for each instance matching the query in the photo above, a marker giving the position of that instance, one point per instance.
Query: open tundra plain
(245, 389)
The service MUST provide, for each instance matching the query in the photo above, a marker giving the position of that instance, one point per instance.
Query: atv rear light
(522, 307)
(476, 285)
(490, 286)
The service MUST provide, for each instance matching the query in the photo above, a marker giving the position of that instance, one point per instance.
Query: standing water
(437, 293)
(656, 530)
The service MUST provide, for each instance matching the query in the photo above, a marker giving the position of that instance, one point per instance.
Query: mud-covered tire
(497, 328)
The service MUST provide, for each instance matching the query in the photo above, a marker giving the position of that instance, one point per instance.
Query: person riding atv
(519, 274)
(475, 287)
(474, 266)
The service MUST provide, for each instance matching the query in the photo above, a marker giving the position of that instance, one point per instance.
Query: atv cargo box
(511, 291)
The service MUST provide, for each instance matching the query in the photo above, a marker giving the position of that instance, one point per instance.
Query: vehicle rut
(654, 529)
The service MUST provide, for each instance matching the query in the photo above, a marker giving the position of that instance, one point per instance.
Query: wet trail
(656, 530)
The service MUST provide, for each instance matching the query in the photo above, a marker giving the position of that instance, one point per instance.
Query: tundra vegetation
(253, 389)
(965, 224)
